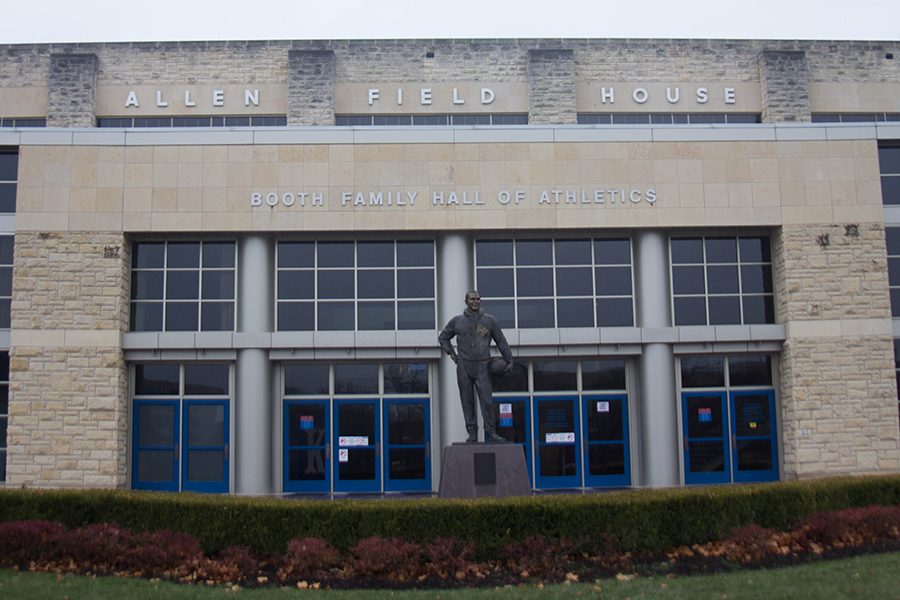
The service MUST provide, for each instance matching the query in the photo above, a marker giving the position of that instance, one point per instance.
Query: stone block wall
(311, 87)
(551, 86)
(68, 377)
(70, 100)
(784, 80)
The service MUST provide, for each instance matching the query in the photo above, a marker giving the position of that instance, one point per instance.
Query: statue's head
(473, 300)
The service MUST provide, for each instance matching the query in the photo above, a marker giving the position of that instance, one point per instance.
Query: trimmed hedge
(641, 520)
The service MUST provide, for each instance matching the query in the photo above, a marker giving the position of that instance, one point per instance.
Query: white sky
(39, 21)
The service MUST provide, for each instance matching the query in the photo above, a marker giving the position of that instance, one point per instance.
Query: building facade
(223, 265)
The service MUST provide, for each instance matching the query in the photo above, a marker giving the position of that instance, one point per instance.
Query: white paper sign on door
(343, 455)
(603, 407)
(560, 438)
(350, 441)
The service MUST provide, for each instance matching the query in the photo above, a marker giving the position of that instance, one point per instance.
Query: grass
(871, 577)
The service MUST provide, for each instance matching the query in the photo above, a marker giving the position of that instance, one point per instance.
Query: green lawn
(868, 577)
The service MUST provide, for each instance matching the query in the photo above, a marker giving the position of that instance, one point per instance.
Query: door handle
(226, 451)
(427, 449)
(377, 449)
(327, 451)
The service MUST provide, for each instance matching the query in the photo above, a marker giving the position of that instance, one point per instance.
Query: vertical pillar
(454, 280)
(310, 87)
(784, 85)
(70, 97)
(659, 423)
(551, 86)
(253, 400)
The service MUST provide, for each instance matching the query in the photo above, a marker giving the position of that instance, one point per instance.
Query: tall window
(722, 280)
(897, 369)
(4, 410)
(363, 285)
(889, 160)
(666, 118)
(9, 173)
(556, 283)
(204, 121)
(183, 286)
(6, 267)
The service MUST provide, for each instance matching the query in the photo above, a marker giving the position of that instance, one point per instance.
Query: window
(722, 280)
(20, 122)
(430, 120)
(666, 118)
(200, 121)
(897, 370)
(183, 286)
(9, 173)
(4, 410)
(889, 161)
(6, 267)
(556, 283)
(363, 285)
(854, 117)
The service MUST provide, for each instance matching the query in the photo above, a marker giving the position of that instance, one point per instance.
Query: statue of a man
(474, 330)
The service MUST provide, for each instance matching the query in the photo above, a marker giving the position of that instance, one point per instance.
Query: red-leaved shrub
(448, 558)
(233, 565)
(307, 558)
(386, 558)
(25, 541)
(748, 544)
(539, 556)
(849, 527)
(98, 547)
(163, 553)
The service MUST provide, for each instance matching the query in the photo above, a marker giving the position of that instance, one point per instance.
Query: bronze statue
(474, 330)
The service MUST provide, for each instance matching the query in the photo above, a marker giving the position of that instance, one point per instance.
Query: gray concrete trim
(176, 339)
(170, 355)
(418, 354)
(716, 133)
(4, 338)
(416, 338)
(140, 340)
(334, 339)
(658, 335)
(98, 137)
(696, 333)
(175, 136)
(895, 326)
(799, 133)
(403, 135)
(774, 332)
(214, 339)
(732, 333)
(375, 354)
(368, 339)
(304, 135)
(521, 133)
(10, 138)
(299, 354)
(887, 131)
(292, 339)
(847, 131)
(46, 137)
(579, 335)
(620, 349)
(891, 215)
(252, 339)
(7, 223)
(538, 337)
(620, 335)
(604, 133)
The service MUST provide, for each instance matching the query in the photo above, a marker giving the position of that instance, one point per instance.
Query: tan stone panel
(857, 214)
(792, 194)
(239, 174)
(189, 199)
(214, 199)
(165, 155)
(215, 174)
(83, 200)
(715, 195)
(223, 221)
(190, 174)
(437, 152)
(136, 154)
(264, 175)
(343, 153)
(175, 221)
(767, 215)
(341, 174)
(141, 221)
(240, 154)
(740, 194)
(165, 174)
(732, 216)
(316, 174)
(164, 199)
(290, 175)
(265, 154)
(138, 174)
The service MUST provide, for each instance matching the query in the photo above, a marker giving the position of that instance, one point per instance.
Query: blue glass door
(706, 448)
(356, 440)
(557, 446)
(513, 424)
(605, 420)
(155, 459)
(753, 450)
(307, 447)
(407, 454)
(205, 446)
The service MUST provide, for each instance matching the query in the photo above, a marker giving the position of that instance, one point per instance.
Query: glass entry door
(407, 456)
(752, 424)
(155, 456)
(556, 444)
(706, 458)
(514, 425)
(205, 447)
(357, 444)
(606, 454)
(307, 446)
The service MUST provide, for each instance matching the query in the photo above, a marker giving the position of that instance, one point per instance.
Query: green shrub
(640, 520)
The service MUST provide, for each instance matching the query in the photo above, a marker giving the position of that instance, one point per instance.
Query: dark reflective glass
(296, 316)
(296, 285)
(751, 415)
(463, 119)
(4, 366)
(613, 281)
(306, 422)
(146, 316)
(375, 283)
(306, 465)
(892, 235)
(750, 369)
(688, 280)
(359, 378)
(155, 380)
(406, 423)
(754, 455)
(706, 457)
(606, 459)
(534, 252)
(504, 311)
(575, 313)
(335, 254)
(218, 285)
(888, 159)
(415, 253)
(7, 197)
(4, 402)
(3, 427)
(206, 425)
(702, 371)
(555, 416)
(705, 416)
(724, 310)
(357, 420)
(573, 252)
(205, 465)
(375, 254)
(218, 254)
(558, 461)
(296, 254)
(182, 285)
(148, 255)
(535, 313)
(612, 252)
(495, 282)
(890, 190)
(375, 316)
(9, 166)
(573, 281)
(493, 252)
(534, 282)
(406, 378)
(555, 375)
(3, 465)
(183, 255)
(5, 311)
(6, 249)
(721, 250)
(202, 379)
(156, 465)
(335, 284)
(630, 118)
(415, 283)
(722, 279)
(182, 316)
(515, 381)
(360, 465)
(156, 425)
(758, 309)
(406, 463)
(335, 316)
(604, 419)
(416, 314)
(755, 249)
(615, 312)
(686, 251)
(895, 302)
(146, 285)
(756, 279)
(305, 380)
(604, 374)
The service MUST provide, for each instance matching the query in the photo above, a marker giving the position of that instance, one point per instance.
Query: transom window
(878, 117)
(362, 285)
(349, 379)
(665, 118)
(4, 410)
(889, 161)
(556, 283)
(183, 286)
(892, 235)
(722, 280)
(433, 120)
(200, 121)
(897, 370)
(9, 173)
(23, 122)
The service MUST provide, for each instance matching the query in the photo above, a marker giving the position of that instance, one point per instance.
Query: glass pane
(575, 313)
(155, 380)
(147, 285)
(722, 279)
(534, 282)
(406, 463)
(604, 419)
(406, 378)
(758, 309)
(606, 374)
(894, 271)
(357, 420)
(614, 281)
(148, 255)
(4, 366)
(888, 159)
(535, 313)
(4, 403)
(504, 311)
(534, 252)
(183, 255)
(415, 315)
(490, 252)
(205, 465)
(495, 282)
(156, 465)
(306, 465)
(704, 416)
(7, 197)
(606, 459)
(356, 379)
(5, 312)
(573, 252)
(751, 415)
(336, 254)
(375, 284)
(415, 283)
(415, 253)
(702, 371)
(205, 379)
(406, 423)
(510, 419)
(181, 316)
(687, 251)
(750, 369)
(336, 316)
(306, 425)
(755, 249)
(183, 285)
(156, 425)
(2, 465)
(573, 281)
(218, 285)
(146, 316)
(295, 285)
(217, 316)
(890, 190)
(305, 380)
(515, 381)
(706, 457)
(555, 375)
(612, 252)
(218, 254)
(296, 254)
(375, 254)
(754, 455)
(724, 310)
(206, 425)
(615, 312)
(756, 279)
(335, 284)
(360, 465)
(296, 316)
(688, 280)
(9, 166)
(557, 460)
(375, 316)
(7, 245)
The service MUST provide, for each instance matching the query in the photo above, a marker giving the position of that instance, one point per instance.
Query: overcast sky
(28, 21)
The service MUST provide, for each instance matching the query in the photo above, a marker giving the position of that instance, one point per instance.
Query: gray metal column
(658, 405)
(254, 404)
(454, 267)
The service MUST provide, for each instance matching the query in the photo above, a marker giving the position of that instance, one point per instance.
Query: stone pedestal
(475, 470)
